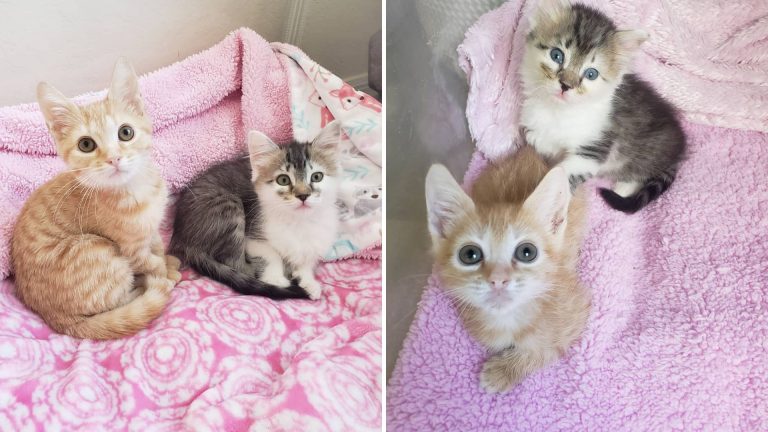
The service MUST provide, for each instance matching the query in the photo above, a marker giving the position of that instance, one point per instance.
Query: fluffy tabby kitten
(507, 257)
(251, 221)
(86, 250)
(582, 108)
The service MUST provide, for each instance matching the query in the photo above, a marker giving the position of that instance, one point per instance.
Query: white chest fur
(301, 238)
(553, 127)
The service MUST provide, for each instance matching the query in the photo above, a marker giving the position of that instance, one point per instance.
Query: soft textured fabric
(709, 57)
(677, 334)
(201, 109)
(214, 360)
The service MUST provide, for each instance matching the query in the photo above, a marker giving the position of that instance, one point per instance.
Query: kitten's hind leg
(626, 188)
(272, 273)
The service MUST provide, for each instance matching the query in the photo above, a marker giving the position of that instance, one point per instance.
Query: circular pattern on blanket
(14, 416)
(319, 311)
(364, 303)
(245, 375)
(23, 358)
(289, 421)
(345, 389)
(84, 397)
(351, 274)
(171, 364)
(248, 324)
(157, 420)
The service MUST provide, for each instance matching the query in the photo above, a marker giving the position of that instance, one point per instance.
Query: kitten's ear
(124, 90)
(446, 201)
(630, 40)
(329, 137)
(548, 11)
(260, 147)
(61, 115)
(549, 201)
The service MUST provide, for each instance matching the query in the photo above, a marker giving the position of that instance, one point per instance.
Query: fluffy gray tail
(239, 281)
(652, 189)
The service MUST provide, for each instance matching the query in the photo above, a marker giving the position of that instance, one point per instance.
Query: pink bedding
(213, 360)
(677, 337)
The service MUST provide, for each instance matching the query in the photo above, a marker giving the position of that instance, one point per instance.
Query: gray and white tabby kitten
(584, 110)
(260, 223)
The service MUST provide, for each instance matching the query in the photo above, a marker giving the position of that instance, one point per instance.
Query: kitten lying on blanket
(242, 221)
(583, 108)
(86, 250)
(507, 256)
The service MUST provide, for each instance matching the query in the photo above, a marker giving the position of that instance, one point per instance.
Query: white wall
(74, 44)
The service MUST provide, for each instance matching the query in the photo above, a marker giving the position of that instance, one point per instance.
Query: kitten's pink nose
(114, 161)
(499, 284)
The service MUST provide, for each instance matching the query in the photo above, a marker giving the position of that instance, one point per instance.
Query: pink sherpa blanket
(677, 335)
(214, 360)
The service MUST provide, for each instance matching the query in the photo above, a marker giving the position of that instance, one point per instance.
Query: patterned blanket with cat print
(214, 360)
(677, 335)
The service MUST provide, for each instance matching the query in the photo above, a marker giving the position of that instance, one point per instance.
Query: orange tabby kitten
(86, 250)
(507, 256)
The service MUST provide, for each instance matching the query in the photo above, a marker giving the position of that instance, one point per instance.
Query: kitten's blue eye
(557, 55)
(470, 254)
(591, 74)
(283, 180)
(316, 177)
(526, 252)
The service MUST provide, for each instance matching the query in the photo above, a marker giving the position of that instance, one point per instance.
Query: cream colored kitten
(507, 256)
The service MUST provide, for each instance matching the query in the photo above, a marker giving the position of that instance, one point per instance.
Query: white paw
(312, 287)
(275, 278)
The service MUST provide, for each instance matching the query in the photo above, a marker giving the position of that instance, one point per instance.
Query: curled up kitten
(86, 251)
(584, 109)
(506, 256)
(260, 223)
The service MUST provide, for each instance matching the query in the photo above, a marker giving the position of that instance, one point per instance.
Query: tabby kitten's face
(106, 143)
(575, 53)
(496, 258)
(299, 176)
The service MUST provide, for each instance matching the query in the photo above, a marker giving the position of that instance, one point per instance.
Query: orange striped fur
(545, 308)
(86, 250)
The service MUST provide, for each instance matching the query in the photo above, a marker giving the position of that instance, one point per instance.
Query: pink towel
(214, 360)
(677, 335)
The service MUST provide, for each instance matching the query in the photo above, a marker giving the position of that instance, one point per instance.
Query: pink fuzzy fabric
(214, 360)
(677, 335)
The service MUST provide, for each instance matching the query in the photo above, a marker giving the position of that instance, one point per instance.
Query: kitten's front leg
(306, 274)
(143, 261)
(579, 169)
(272, 273)
(508, 368)
(172, 263)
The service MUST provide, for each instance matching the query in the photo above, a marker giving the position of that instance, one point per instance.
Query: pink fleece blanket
(214, 360)
(677, 335)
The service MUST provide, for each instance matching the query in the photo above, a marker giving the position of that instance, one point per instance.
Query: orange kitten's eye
(470, 254)
(526, 252)
(86, 144)
(125, 133)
